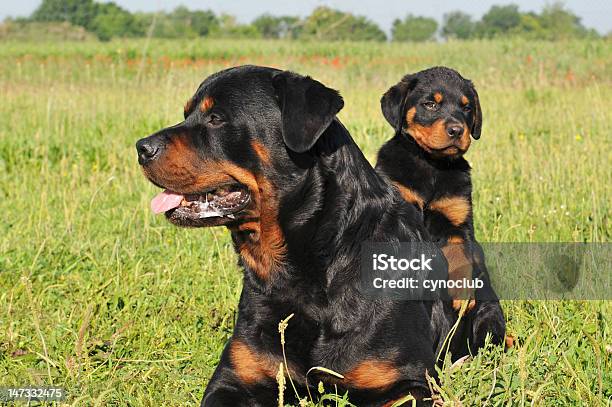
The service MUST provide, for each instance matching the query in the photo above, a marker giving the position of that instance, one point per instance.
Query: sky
(594, 13)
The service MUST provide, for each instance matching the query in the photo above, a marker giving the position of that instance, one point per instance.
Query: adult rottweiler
(262, 153)
(434, 112)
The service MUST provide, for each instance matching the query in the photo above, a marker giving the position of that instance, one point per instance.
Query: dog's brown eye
(430, 105)
(467, 108)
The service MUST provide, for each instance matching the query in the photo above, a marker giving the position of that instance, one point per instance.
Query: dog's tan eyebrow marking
(464, 100)
(261, 151)
(207, 104)
(438, 97)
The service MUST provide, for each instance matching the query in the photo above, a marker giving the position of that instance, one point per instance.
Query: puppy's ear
(393, 101)
(477, 112)
(307, 107)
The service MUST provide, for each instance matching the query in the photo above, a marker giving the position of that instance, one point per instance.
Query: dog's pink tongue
(165, 201)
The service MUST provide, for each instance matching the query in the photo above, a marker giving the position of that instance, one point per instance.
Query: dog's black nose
(454, 131)
(147, 150)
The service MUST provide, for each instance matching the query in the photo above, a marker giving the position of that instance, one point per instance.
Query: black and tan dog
(261, 152)
(434, 112)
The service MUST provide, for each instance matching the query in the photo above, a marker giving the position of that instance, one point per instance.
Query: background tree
(180, 23)
(499, 20)
(332, 25)
(414, 28)
(559, 23)
(530, 26)
(107, 20)
(229, 27)
(277, 27)
(113, 21)
(458, 25)
(204, 22)
(76, 12)
(200, 22)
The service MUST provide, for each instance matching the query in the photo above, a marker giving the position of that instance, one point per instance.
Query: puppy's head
(229, 161)
(438, 108)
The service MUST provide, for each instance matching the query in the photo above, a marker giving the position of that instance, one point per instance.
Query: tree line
(109, 20)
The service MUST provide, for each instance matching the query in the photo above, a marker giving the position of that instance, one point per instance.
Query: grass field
(102, 297)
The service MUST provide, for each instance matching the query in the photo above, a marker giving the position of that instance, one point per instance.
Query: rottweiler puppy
(434, 113)
(262, 153)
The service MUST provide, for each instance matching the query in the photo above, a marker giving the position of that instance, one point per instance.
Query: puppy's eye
(214, 120)
(430, 105)
(467, 108)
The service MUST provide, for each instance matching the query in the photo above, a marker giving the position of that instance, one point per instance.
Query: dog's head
(229, 160)
(438, 108)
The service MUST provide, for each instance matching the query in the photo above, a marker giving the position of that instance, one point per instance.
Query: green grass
(100, 296)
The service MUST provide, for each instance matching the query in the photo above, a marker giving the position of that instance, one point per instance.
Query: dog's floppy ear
(477, 112)
(392, 102)
(307, 107)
